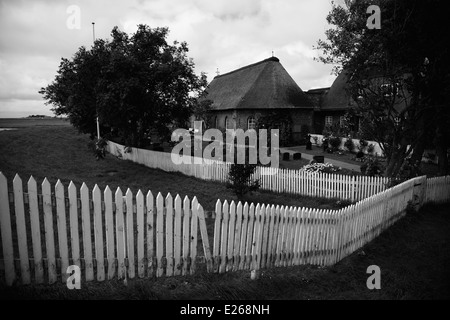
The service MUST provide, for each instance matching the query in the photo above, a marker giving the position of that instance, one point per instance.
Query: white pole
(98, 129)
(98, 123)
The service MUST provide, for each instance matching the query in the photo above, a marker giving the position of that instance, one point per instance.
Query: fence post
(419, 192)
(352, 199)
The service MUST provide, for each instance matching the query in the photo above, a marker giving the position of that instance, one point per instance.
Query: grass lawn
(53, 149)
(413, 257)
(413, 254)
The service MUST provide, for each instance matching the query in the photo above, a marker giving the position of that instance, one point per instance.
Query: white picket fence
(45, 229)
(249, 237)
(108, 235)
(437, 189)
(344, 187)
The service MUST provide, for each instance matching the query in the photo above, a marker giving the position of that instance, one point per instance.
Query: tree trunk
(441, 152)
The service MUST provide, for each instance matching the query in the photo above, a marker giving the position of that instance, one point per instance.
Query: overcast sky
(223, 34)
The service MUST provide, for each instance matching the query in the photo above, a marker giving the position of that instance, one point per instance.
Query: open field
(55, 150)
(32, 122)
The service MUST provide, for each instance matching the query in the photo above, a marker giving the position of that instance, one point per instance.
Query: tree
(239, 179)
(135, 84)
(398, 75)
(202, 112)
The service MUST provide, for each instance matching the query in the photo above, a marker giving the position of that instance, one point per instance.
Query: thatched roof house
(330, 103)
(243, 96)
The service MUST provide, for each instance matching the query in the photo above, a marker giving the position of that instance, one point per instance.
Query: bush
(335, 142)
(286, 156)
(362, 145)
(359, 154)
(372, 167)
(98, 147)
(350, 145)
(297, 156)
(316, 140)
(239, 179)
(370, 148)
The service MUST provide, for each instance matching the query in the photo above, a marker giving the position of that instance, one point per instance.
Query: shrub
(349, 144)
(371, 148)
(335, 142)
(362, 145)
(372, 167)
(239, 179)
(359, 154)
(297, 156)
(316, 140)
(286, 156)
(98, 147)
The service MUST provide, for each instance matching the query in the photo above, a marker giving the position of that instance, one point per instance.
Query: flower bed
(321, 167)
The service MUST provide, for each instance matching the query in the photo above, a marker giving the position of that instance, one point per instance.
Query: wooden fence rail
(126, 235)
(344, 187)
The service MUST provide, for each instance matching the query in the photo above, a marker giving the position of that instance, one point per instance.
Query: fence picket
(205, 240)
(230, 241)
(140, 233)
(177, 236)
(237, 236)
(169, 235)
(48, 227)
(249, 240)
(193, 235)
(150, 231)
(86, 229)
(186, 235)
(109, 231)
(243, 243)
(256, 237)
(129, 234)
(98, 233)
(120, 235)
(224, 235)
(35, 230)
(6, 232)
(21, 230)
(159, 234)
(62, 229)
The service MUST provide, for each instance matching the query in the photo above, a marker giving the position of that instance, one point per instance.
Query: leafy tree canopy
(398, 75)
(136, 84)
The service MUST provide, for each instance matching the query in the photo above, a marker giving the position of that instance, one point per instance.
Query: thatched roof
(263, 85)
(337, 97)
(317, 95)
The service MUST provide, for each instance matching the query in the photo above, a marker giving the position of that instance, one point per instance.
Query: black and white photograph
(225, 157)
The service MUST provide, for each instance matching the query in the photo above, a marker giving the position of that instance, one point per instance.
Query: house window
(251, 123)
(342, 121)
(328, 121)
(388, 89)
(227, 123)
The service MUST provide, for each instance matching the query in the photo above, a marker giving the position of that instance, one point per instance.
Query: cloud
(224, 34)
